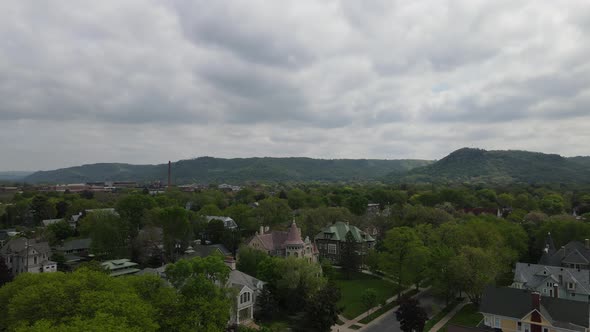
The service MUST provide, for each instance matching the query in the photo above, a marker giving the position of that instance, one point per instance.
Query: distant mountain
(240, 170)
(13, 175)
(481, 166)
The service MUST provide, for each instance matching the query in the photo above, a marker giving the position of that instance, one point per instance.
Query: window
(331, 248)
(527, 328)
(570, 285)
(519, 326)
(545, 329)
(497, 322)
(487, 321)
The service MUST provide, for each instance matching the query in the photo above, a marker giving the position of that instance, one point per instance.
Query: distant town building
(27, 255)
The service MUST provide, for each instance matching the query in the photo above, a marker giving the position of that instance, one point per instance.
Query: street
(388, 322)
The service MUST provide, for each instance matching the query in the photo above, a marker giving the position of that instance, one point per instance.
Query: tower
(169, 174)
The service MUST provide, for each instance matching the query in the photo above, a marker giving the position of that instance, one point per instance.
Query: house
(331, 239)
(48, 222)
(75, 250)
(247, 290)
(119, 267)
(284, 244)
(575, 254)
(553, 281)
(511, 309)
(206, 250)
(228, 222)
(27, 255)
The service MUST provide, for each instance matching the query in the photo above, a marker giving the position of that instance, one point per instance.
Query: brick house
(330, 240)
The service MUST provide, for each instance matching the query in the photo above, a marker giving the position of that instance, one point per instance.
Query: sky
(147, 81)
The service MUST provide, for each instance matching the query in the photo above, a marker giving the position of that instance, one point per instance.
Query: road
(388, 322)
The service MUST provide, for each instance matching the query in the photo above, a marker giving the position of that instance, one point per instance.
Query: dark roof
(76, 244)
(574, 252)
(207, 250)
(517, 303)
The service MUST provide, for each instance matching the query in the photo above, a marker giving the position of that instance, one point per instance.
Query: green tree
(357, 204)
(132, 208)
(60, 231)
(411, 316)
(5, 275)
(177, 230)
(267, 305)
(249, 260)
(552, 204)
(42, 209)
(109, 234)
(369, 299)
(474, 269)
(349, 257)
(203, 305)
(296, 198)
(401, 246)
(70, 300)
(273, 211)
(214, 231)
(321, 312)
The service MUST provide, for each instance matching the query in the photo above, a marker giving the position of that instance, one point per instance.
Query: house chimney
(261, 230)
(587, 243)
(536, 300)
(169, 174)
(230, 262)
(555, 290)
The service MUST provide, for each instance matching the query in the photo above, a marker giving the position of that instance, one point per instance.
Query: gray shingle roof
(534, 275)
(76, 244)
(517, 303)
(574, 252)
(240, 278)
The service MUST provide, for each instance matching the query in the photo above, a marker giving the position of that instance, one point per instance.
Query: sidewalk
(355, 321)
(448, 317)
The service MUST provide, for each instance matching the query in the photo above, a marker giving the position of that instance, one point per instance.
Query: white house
(27, 255)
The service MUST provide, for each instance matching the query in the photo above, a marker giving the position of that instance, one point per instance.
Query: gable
(528, 318)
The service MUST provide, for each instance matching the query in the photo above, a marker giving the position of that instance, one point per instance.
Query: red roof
(294, 235)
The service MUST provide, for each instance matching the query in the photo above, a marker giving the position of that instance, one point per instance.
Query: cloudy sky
(143, 81)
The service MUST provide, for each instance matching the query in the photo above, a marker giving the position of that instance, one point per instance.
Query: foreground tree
(5, 275)
(402, 245)
(411, 316)
(349, 259)
(369, 298)
(321, 312)
(70, 300)
(109, 234)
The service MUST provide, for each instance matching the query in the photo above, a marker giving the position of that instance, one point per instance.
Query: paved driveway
(388, 322)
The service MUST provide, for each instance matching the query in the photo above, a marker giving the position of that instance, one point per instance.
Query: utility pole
(27, 255)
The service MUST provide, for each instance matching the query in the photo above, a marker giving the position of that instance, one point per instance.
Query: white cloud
(147, 81)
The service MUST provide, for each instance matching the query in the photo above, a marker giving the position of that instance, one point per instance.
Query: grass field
(467, 316)
(352, 291)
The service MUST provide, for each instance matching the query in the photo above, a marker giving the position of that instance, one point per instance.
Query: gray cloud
(145, 81)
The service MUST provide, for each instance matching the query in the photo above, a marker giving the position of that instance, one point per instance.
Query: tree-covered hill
(239, 170)
(477, 165)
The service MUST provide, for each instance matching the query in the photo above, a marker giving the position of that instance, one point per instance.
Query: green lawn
(353, 289)
(467, 316)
